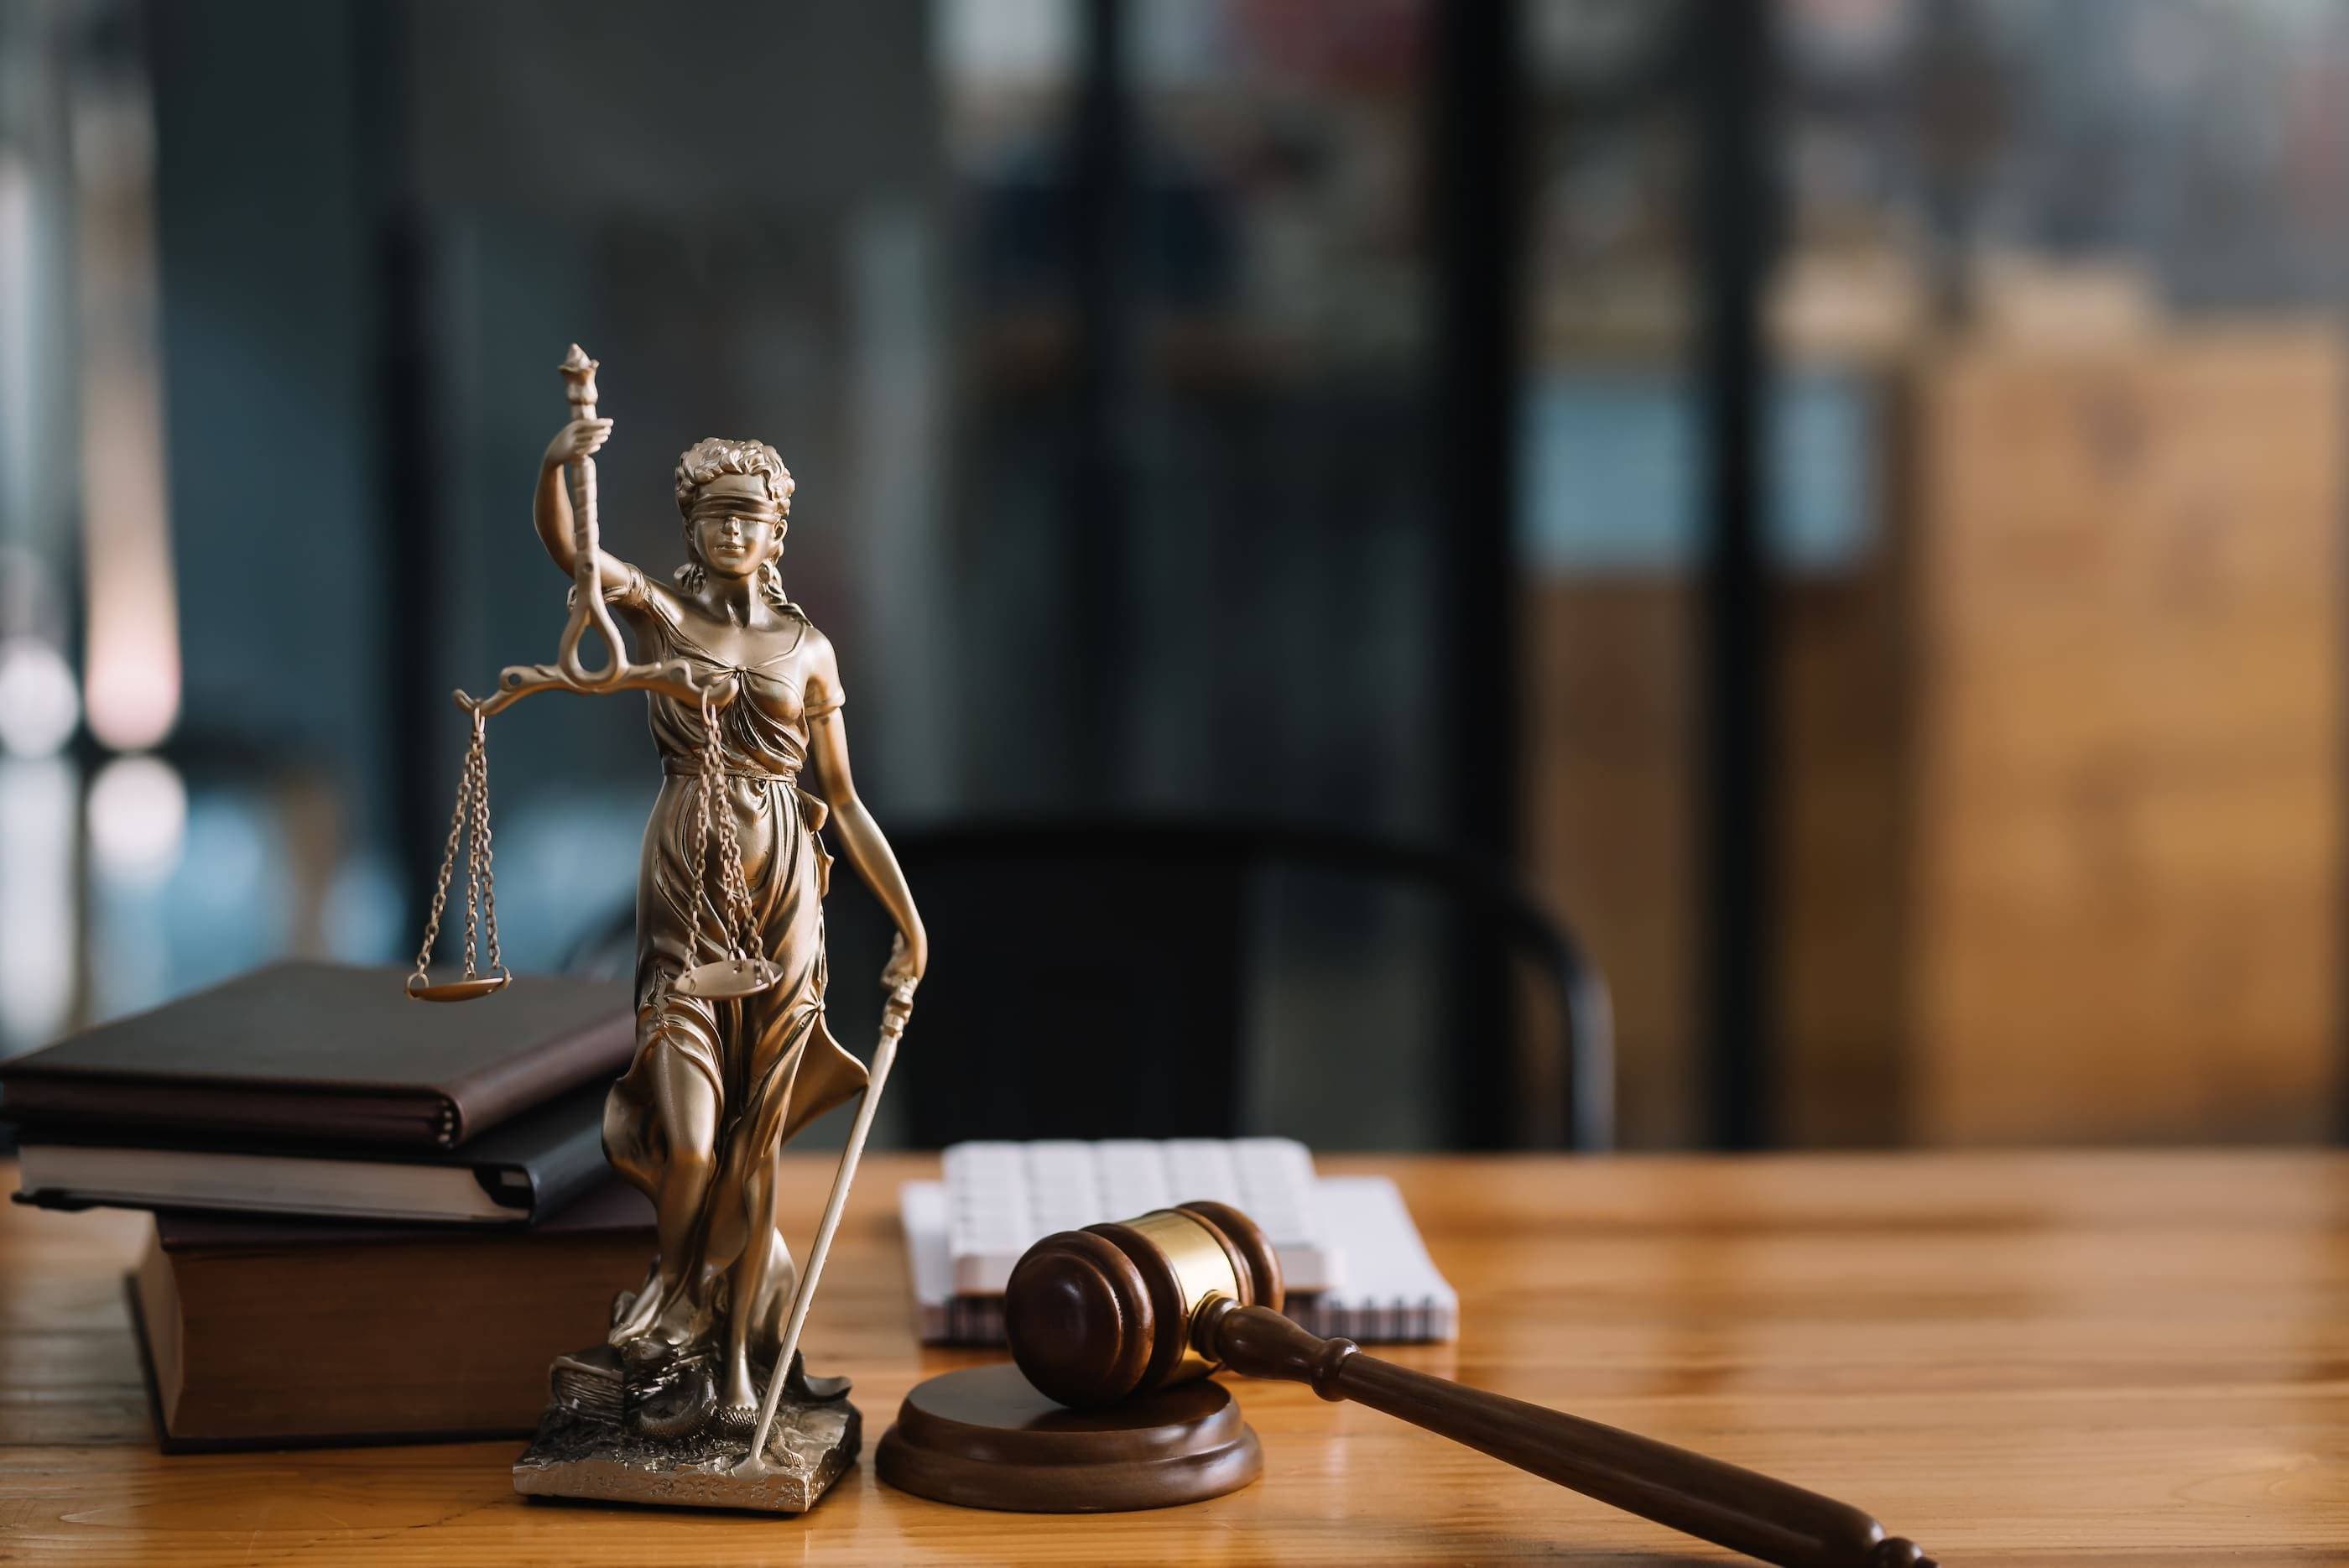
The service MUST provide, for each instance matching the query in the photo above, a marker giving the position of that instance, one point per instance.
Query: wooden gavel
(1113, 1310)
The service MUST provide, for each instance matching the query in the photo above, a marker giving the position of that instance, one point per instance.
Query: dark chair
(1092, 979)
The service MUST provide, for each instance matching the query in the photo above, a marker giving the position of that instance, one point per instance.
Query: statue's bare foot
(738, 1389)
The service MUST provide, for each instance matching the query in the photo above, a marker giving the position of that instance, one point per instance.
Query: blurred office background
(1842, 498)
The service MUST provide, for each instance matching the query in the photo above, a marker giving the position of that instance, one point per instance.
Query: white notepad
(1003, 1198)
(1393, 1293)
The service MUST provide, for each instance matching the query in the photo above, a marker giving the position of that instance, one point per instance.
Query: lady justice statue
(718, 1085)
(733, 1058)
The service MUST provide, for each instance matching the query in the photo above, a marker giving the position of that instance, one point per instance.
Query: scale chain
(735, 887)
(480, 870)
(473, 877)
(457, 819)
(706, 806)
(737, 924)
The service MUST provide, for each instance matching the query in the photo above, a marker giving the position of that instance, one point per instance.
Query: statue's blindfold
(718, 508)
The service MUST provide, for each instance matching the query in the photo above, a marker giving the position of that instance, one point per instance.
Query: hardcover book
(520, 1171)
(324, 1053)
(275, 1333)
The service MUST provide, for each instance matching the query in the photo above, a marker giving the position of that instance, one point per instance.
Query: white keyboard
(1003, 1198)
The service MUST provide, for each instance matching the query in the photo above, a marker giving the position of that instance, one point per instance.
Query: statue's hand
(580, 438)
(904, 970)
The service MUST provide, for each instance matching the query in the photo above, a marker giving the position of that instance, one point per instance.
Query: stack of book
(374, 1219)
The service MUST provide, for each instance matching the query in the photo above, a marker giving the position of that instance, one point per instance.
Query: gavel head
(1112, 1311)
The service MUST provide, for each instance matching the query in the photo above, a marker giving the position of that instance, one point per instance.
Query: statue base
(594, 1444)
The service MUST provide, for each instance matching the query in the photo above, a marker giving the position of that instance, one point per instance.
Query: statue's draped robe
(768, 1058)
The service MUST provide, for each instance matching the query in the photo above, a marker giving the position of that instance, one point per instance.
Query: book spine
(142, 1111)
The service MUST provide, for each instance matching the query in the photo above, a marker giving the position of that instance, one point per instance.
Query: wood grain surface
(2021, 1359)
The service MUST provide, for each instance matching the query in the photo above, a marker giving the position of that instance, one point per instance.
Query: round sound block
(984, 1438)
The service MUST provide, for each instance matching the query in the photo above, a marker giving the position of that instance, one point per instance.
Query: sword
(894, 1015)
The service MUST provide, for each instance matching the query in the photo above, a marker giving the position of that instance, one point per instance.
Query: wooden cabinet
(2125, 575)
(2061, 762)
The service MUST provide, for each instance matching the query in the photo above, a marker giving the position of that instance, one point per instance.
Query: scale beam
(671, 677)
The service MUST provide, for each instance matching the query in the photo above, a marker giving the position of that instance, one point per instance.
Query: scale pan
(727, 979)
(460, 989)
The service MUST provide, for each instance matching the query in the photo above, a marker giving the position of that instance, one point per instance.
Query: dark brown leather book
(325, 1054)
(511, 1175)
(282, 1333)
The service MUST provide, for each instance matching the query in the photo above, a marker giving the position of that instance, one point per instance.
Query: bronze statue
(733, 1058)
(719, 1086)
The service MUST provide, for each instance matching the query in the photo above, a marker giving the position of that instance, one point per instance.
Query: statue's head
(736, 498)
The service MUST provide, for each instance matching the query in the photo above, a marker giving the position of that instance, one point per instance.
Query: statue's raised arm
(551, 509)
(568, 525)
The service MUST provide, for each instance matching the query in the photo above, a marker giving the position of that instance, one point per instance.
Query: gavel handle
(1715, 1501)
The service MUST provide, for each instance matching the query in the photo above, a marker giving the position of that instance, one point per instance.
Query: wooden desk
(2017, 1359)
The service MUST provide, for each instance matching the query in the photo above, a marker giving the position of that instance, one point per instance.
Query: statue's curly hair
(708, 459)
